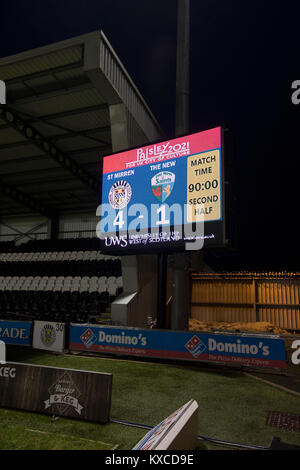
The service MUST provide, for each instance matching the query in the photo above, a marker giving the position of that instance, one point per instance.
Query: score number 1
(162, 211)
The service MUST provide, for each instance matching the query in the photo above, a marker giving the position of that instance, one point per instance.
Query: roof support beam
(45, 73)
(73, 112)
(48, 148)
(38, 96)
(30, 231)
(99, 148)
(86, 133)
(15, 230)
(55, 116)
(26, 200)
(67, 135)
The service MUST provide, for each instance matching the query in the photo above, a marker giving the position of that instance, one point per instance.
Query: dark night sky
(244, 58)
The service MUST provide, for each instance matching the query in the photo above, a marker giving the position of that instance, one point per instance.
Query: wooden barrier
(252, 298)
(63, 392)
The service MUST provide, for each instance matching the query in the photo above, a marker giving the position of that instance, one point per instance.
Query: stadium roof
(56, 125)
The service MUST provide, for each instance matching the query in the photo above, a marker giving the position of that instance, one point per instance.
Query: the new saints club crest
(162, 185)
(120, 194)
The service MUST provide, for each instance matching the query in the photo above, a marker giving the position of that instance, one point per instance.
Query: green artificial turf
(232, 406)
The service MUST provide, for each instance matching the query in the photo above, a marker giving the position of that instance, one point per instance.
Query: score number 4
(119, 220)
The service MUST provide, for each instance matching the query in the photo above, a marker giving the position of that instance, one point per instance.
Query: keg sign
(70, 393)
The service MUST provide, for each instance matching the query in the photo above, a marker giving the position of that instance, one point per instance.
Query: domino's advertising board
(248, 350)
(15, 332)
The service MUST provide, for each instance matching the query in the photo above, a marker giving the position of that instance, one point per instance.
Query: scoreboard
(167, 195)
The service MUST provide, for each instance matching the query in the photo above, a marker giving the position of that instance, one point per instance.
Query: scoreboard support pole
(162, 271)
(180, 282)
(182, 68)
(180, 292)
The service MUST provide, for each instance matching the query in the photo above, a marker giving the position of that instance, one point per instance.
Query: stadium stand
(38, 283)
(69, 104)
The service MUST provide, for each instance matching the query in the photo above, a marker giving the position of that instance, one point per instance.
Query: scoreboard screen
(164, 196)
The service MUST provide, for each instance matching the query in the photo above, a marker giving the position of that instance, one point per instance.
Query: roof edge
(48, 48)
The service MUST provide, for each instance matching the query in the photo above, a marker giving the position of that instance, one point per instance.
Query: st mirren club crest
(64, 396)
(120, 194)
(48, 335)
(162, 185)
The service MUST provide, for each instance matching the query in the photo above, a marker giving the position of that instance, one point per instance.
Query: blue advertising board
(248, 350)
(15, 332)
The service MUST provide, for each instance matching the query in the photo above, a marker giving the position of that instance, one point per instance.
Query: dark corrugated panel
(41, 63)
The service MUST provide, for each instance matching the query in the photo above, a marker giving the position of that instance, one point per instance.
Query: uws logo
(116, 241)
(296, 354)
(2, 92)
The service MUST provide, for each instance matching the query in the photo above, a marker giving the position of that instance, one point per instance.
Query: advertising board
(15, 332)
(177, 432)
(49, 336)
(246, 350)
(71, 393)
(164, 195)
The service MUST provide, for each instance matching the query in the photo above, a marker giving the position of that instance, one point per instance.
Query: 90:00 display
(203, 186)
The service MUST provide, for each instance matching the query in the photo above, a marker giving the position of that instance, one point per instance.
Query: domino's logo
(88, 338)
(195, 346)
(2, 92)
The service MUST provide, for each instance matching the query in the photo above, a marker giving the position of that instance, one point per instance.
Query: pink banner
(169, 149)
